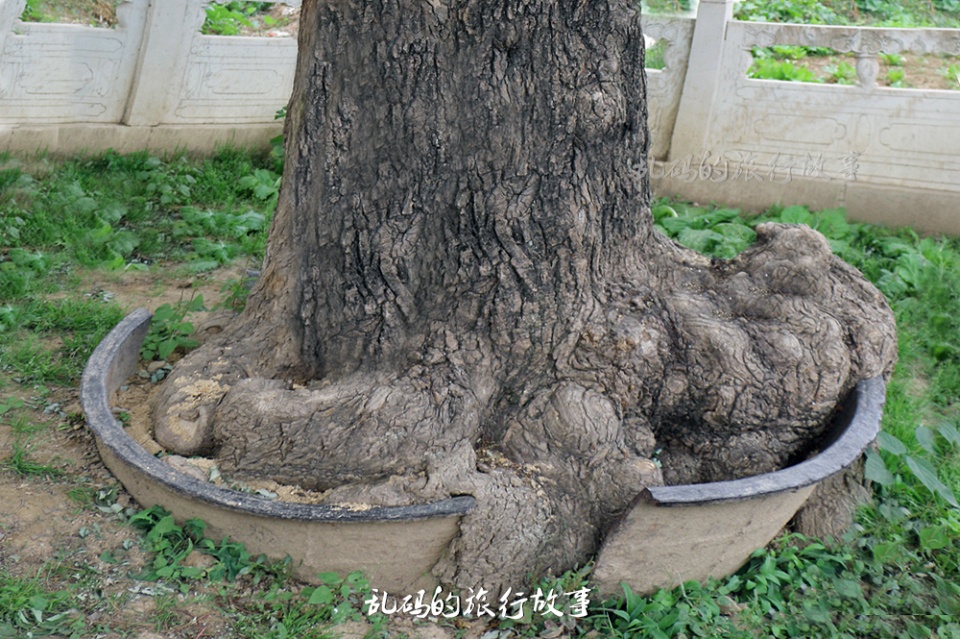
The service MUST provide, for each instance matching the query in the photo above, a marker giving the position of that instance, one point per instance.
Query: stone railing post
(10, 12)
(167, 40)
(702, 79)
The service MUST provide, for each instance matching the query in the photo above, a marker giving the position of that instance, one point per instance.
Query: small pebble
(153, 367)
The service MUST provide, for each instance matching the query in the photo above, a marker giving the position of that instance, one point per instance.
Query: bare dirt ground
(912, 70)
(50, 527)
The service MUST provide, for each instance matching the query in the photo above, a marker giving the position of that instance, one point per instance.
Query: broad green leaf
(264, 191)
(662, 211)
(720, 215)
(202, 266)
(674, 225)
(839, 247)
(166, 348)
(112, 213)
(887, 552)
(876, 471)
(329, 577)
(833, 224)
(124, 242)
(163, 313)
(166, 525)
(928, 477)
(795, 215)
(926, 438)
(736, 230)
(934, 538)
(949, 432)
(848, 588)
(320, 595)
(702, 241)
(890, 443)
(815, 612)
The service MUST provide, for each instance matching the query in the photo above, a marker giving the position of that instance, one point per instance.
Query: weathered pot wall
(673, 534)
(395, 547)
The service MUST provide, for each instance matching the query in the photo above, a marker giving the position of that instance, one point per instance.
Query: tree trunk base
(728, 372)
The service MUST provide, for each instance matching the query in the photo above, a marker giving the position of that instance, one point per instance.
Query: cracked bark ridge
(463, 293)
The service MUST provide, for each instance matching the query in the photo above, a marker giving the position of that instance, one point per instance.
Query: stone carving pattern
(814, 109)
(860, 40)
(664, 87)
(207, 93)
(59, 73)
(217, 87)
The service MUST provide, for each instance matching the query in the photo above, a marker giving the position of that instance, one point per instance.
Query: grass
(874, 13)
(222, 18)
(97, 13)
(28, 609)
(112, 214)
(895, 575)
(784, 63)
(790, 63)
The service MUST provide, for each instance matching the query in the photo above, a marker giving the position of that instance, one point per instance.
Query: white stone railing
(152, 82)
(887, 155)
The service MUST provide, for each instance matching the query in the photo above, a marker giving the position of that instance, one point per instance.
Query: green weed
(20, 462)
(164, 615)
(895, 463)
(718, 233)
(9, 404)
(127, 211)
(842, 72)
(952, 72)
(895, 575)
(892, 59)
(667, 7)
(305, 612)
(172, 543)
(783, 70)
(33, 362)
(798, 11)
(895, 78)
(169, 331)
(654, 55)
(683, 611)
(907, 14)
(264, 185)
(27, 609)
(229, 18)
(238, 291)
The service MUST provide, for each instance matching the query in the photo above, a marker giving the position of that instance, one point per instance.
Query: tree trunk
(463, 292)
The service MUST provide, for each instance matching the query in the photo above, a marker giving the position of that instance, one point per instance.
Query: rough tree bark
(464, 294)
